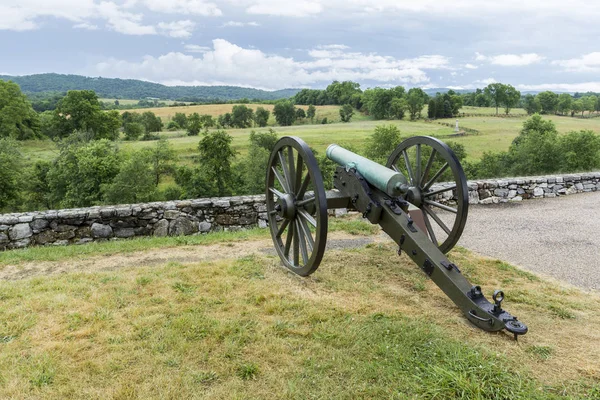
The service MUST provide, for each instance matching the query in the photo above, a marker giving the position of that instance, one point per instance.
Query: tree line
(564, 104)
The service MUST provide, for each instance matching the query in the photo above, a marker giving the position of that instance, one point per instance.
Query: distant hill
(136, 89)
(433, 91)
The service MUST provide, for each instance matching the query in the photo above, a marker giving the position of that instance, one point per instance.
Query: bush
(133, 130)
(172, 192)
(382, 142)
(580, 151)
(324, 121)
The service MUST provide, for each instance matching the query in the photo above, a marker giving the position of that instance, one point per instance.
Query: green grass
(496, 135)
(244, 328)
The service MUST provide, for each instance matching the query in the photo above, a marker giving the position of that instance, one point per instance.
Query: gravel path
(556, 237)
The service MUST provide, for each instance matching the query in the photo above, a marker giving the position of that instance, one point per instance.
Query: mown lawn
(367, 324)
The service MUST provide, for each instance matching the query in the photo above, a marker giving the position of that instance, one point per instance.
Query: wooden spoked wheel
(434, 172)
(296, 205)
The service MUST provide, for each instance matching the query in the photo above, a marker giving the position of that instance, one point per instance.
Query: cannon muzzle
(387, 180)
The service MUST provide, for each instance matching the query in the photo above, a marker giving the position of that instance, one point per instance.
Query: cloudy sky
(274, 44)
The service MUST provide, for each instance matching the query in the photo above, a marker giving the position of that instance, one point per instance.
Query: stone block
(100, 231)
(3, 238)
(124, 232)
(205, 226)
(45, 237)
(161, 228)
(20, 231)
(538, 192)
(39, 224)
(517, 198)
(182, 226)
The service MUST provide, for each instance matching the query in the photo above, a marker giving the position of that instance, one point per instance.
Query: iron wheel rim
(292, 209)
(421, 178)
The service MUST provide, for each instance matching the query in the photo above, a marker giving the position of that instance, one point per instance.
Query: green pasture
(496, 134)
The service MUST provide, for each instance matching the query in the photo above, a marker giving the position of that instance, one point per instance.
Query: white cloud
(234, 65)
(238, 24)
(86, 26)
(471, 66)
(593, 86)
(586, 63)
(194, 48)
(486, 81)
(177, 29)
(20, 15)
(511, 60)
(195, 7)
(297, 8)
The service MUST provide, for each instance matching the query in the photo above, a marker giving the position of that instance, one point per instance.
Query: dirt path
(182, 255)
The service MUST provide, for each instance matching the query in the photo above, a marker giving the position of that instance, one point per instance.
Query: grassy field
(367, 324)
(496, 133)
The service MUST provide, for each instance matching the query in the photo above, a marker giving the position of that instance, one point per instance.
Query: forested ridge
(136, 89)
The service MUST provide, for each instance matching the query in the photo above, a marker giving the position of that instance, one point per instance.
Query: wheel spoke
(309, 239)
(417, 182)
(303, 250)
(304, 186)
(296, 250)
(288, 241)
(309, 218)
(282, 181)
(292, 170)
(408, 167)
(437, 219)
(442, 206)
(438, 191)
(437, 175)
(304, 202)
(430, 229)
(428, 166)
(282, 228)
(273, 212)
(276, 192)
(298, 173)
(286, 172)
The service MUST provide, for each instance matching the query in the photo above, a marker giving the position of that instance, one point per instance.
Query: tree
(577, 106)
(133, 184)
(548, 101)
(10, 171)
(241, 116)
(378, 102)
(285, 113)
(266, 140)
(261, 116)
(497, 92)
(346, 112)
(511, 97)
(225, 120)
(80, 110)
(564, 103)
(300, 113)
(216, 156)
(382, 142)
(535, 150)
(580, 151)
(431, 109)
(161, 158)
(180, 119)
(133, 130)
(36, 186)
(194, 124)
(415, 101)
(151, 122)
(398, 108)
(254, 165)
(589, 103)
(532, 104)
(207, 121)
(310, 113)
(18, 120)
(81, 170)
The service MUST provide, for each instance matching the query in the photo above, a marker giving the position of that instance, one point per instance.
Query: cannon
(408, 198)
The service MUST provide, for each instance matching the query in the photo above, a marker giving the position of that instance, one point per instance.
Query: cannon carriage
(403, 197)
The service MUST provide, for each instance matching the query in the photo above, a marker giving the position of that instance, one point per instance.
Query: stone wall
(83, 225)
(189, 217)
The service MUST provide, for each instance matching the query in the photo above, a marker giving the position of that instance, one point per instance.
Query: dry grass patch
(367, 324)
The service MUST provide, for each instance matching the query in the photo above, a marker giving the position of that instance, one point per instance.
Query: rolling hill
(136, 89)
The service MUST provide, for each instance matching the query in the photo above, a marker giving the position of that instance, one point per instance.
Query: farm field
(222, 319)
(496, 134)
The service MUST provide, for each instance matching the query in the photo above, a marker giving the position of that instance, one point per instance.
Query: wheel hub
(413, 196)
(286, 207)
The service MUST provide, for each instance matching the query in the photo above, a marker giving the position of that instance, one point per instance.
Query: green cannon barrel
(391, 182)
